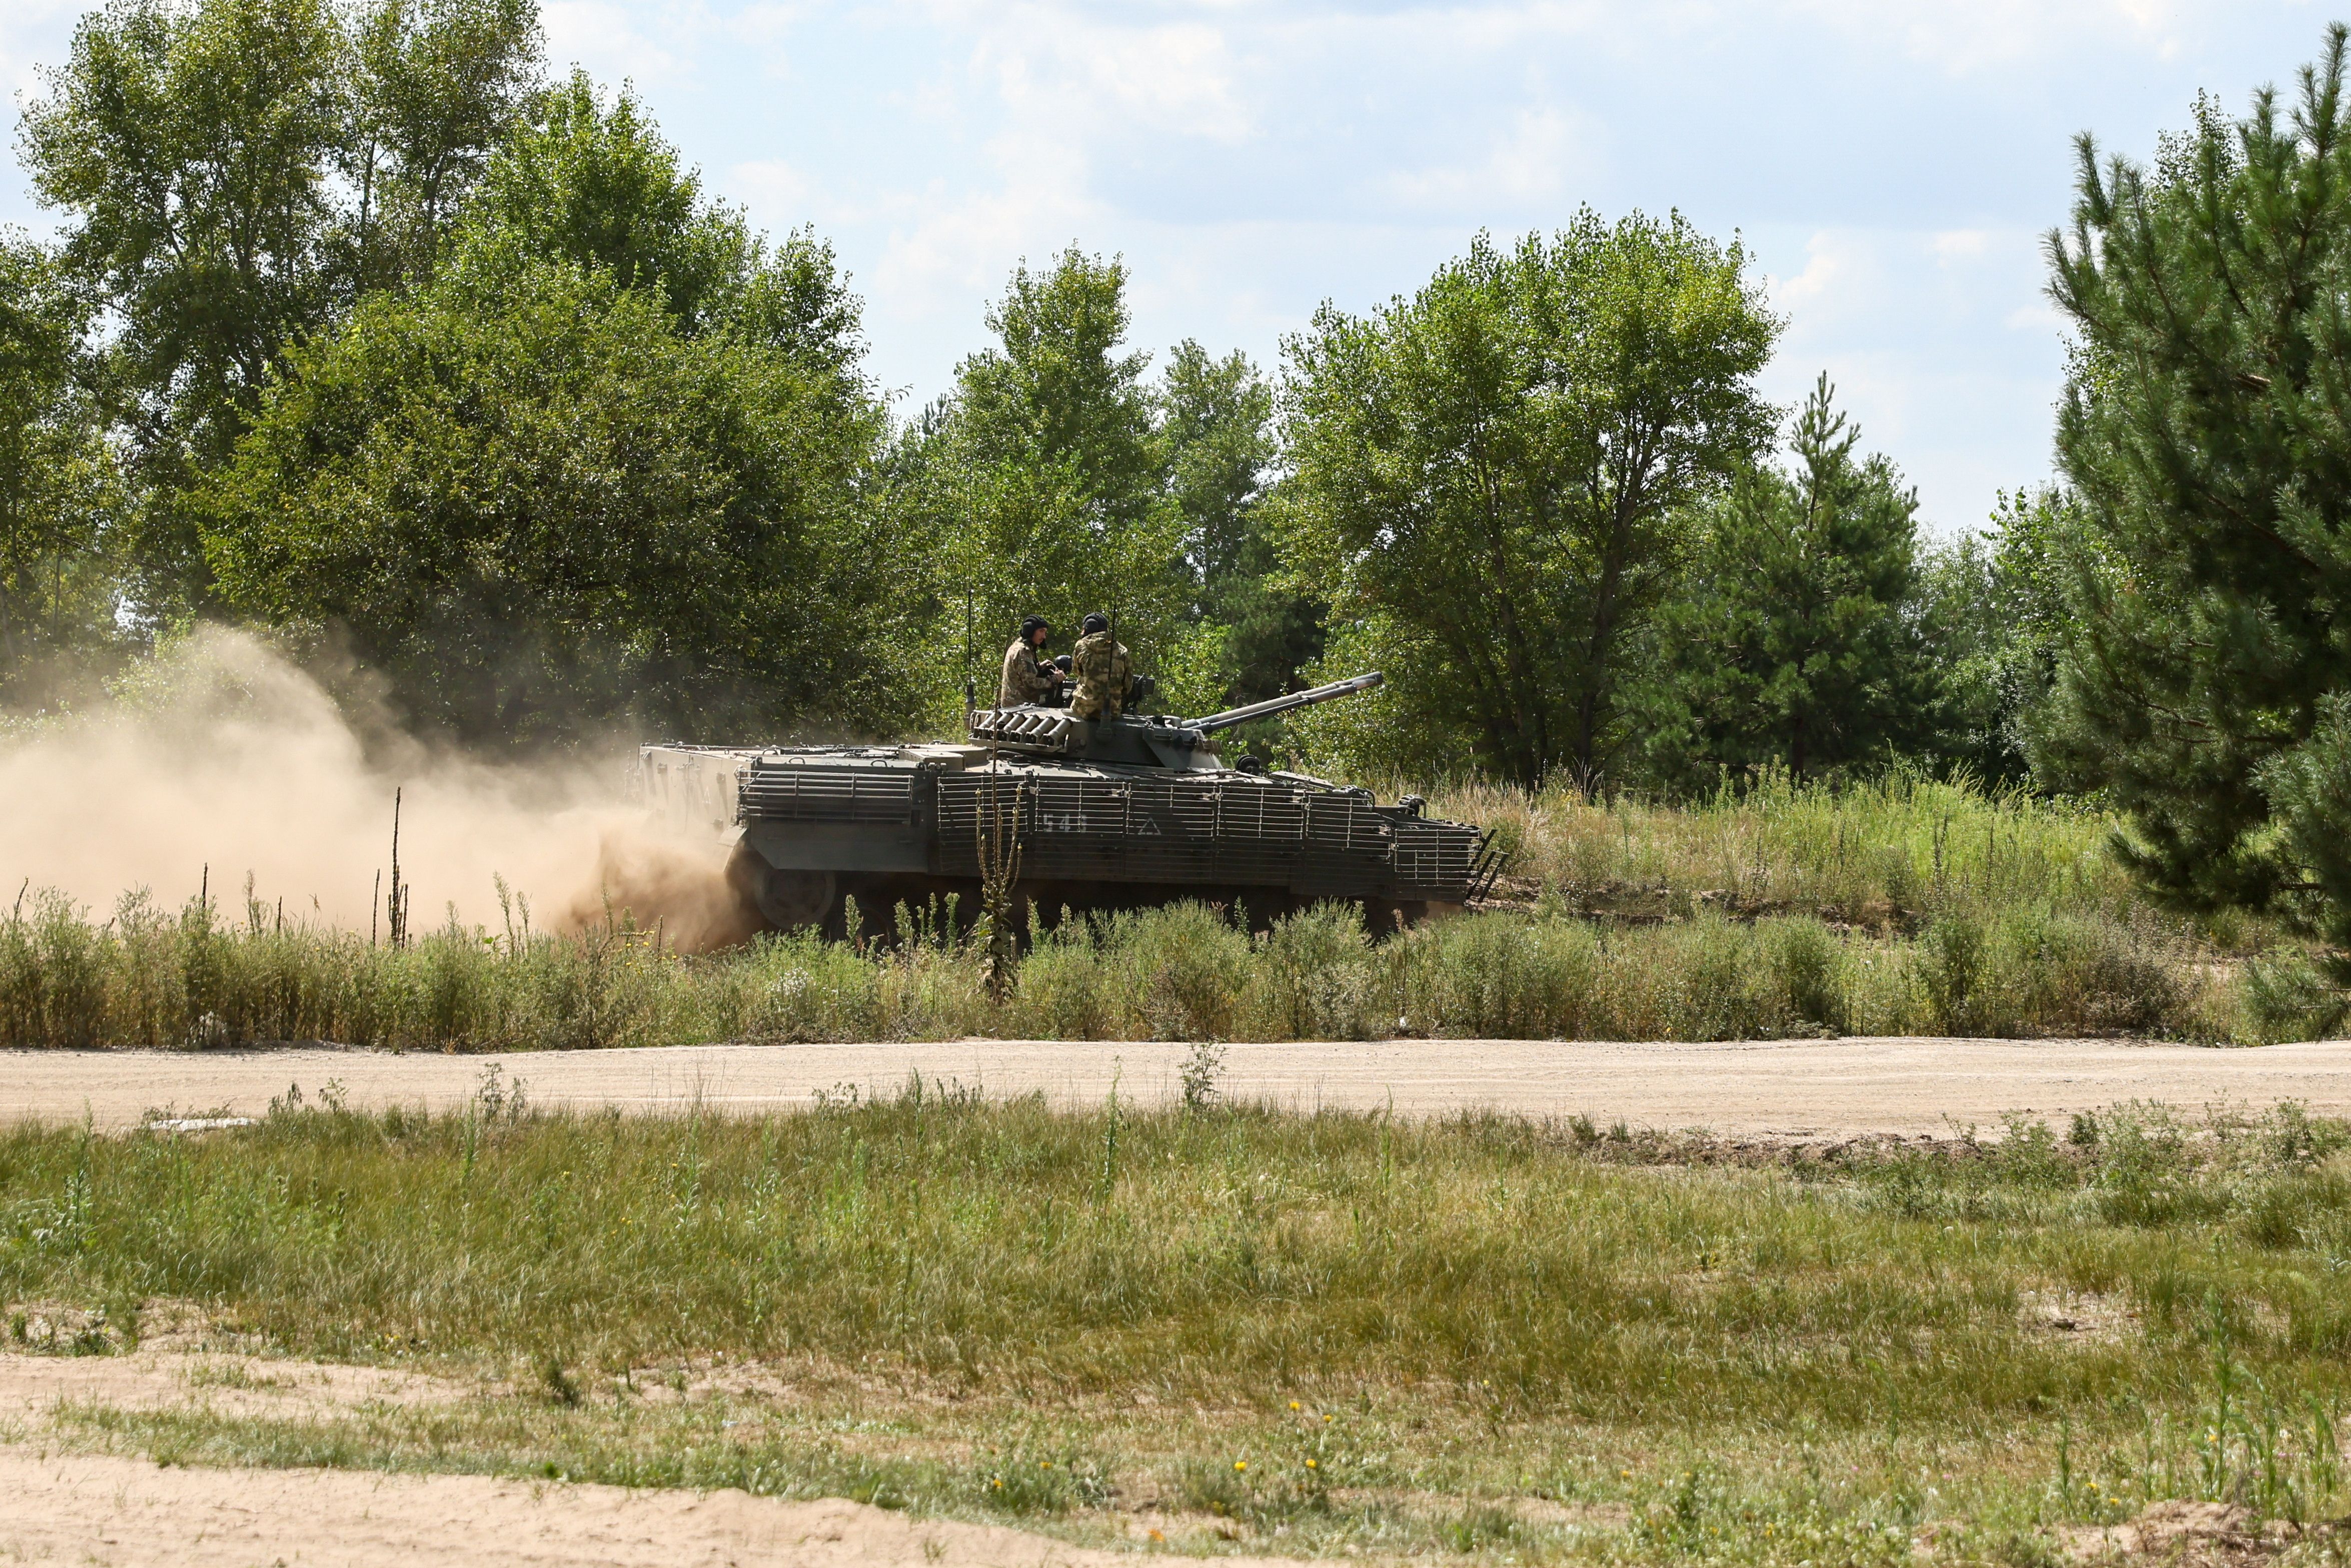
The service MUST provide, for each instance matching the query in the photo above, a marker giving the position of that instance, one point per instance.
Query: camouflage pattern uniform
(1024, 681)
(1103, 669)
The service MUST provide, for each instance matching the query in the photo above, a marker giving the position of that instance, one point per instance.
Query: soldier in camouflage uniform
(1103, 669)
(1025, 680)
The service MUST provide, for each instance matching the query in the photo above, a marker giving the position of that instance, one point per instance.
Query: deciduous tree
(438, 85)
(57, 485)
(193, 150)
(1215, 428)
(1500, 466)
(1045, 481)
(196, 152)
(541, 495)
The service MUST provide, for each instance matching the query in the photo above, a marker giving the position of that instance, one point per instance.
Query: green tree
(603, 188)
(1499, 467)
(2204, 676)
(615, 459)
(57, 489)
(1045, 480)
(1992, 612)
(1215, 428)
(438, 86)
(537, 506)
(195, 150)
(1795, 642)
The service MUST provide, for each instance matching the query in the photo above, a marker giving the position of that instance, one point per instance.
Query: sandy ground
(65, 1507)
(92, 1509)
(1779, 1089)
(59, 1506)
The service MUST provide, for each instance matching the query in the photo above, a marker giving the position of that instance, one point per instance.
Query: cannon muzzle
(1267, 709)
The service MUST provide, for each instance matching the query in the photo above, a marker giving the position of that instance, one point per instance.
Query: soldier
(1103, 669)
(1025, 679)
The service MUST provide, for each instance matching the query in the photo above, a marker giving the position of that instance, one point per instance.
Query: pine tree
(1794, 642)
(2205, 680)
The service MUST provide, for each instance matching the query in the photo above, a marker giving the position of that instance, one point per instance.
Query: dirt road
(1793, 1089)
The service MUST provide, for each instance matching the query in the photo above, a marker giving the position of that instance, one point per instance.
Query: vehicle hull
(816, 828)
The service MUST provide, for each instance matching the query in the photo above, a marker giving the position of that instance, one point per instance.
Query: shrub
(1181, 968)
(1316, 977)
(1506, 977)
(1066, 990)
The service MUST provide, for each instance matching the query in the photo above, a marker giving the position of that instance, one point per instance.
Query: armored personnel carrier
(1103, 813)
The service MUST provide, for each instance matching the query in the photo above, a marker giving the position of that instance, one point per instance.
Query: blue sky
(1891, 163)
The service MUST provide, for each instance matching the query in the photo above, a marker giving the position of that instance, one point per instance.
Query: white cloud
(1533, 159)
(617, 41)
(1176, 79)
(775, 193)
(947, 250)
(1964, 36)
(1070, 68)
(1959, 245)
(764, 30)
(1839, 268)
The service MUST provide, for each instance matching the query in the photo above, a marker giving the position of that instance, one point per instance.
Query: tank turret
(1157, 740)
(1107, 814)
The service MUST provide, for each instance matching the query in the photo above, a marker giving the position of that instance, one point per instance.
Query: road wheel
(786, 900)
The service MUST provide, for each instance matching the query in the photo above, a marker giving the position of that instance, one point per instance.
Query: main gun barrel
(1267, 709)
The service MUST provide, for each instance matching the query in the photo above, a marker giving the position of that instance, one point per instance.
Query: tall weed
(1189, 971)
(1317, 977)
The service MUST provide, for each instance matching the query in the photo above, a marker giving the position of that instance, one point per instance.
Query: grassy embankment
(1900, 907)
(1323, 1335)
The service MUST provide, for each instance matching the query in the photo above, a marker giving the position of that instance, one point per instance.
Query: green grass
(1888, 854)
(1490, 1337)
(1900, 906)
(1187, 972)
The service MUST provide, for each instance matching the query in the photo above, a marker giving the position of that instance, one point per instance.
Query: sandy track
(1791, 1089)
(66, 1507)
(92, 1509)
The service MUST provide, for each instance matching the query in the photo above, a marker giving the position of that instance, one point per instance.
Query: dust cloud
(226, 761)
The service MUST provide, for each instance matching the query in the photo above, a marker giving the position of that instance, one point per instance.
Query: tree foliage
(1993, 616)
(1215, 427)
(58, 492)
(437, 84)
(2207, 431)
(359, 327)
(1794, 641)
(1500, 465)
(1045, 481)
(195, 151)
(541, 495)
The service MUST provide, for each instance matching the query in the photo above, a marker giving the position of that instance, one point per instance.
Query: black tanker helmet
(1034, 624)
(1097, 622)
